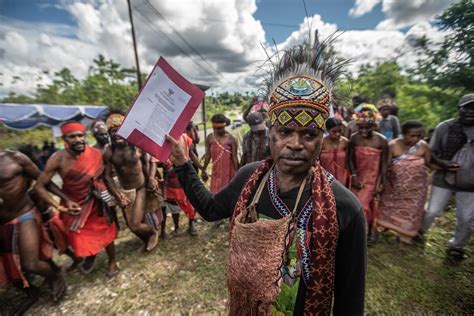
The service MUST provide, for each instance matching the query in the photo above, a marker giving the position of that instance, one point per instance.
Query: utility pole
(139, 77)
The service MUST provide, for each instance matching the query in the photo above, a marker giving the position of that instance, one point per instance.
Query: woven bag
(256, 253)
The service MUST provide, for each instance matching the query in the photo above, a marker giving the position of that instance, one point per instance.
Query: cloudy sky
(214, 42)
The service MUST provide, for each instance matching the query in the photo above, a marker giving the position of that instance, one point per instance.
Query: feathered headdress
(114, 120)
(300, 85)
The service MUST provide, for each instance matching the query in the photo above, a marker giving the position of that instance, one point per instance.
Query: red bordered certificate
(165, 105)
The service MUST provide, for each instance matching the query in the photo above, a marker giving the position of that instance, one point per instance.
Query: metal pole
(204, 116)
(139, 77)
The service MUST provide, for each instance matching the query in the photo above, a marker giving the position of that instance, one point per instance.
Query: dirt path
(183, 275)
(186, 275)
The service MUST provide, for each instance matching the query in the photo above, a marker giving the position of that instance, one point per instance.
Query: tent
(28, 116)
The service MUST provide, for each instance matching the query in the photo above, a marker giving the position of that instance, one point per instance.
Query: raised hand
(178, 151)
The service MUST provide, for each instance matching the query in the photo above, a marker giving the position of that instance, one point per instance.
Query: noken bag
(463, 178)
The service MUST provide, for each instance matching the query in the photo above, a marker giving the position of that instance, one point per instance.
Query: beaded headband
(300, 84)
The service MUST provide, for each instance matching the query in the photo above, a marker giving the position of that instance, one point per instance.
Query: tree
(416, 100)
(106, 84)
(374, 82)
(451, 65)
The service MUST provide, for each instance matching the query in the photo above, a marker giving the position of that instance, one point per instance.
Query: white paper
(156, 109)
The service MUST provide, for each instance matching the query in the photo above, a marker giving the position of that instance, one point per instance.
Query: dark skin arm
(235, 157)
(148, 165)
(207, 155)
(428, 157)
(383, 164)
(44, 179)
(152, 174)
(33, 172)
(195, 159)
(145, 166)
(350, 158)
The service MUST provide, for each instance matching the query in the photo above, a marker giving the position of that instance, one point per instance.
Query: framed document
(165, 105)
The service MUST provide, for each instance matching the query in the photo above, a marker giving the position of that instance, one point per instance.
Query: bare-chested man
(367, 162)
(80, 167)
(132, 167)
(24, 243)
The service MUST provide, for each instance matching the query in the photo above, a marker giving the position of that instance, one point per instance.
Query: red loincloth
(367, 164)
(403, 200)
(10, 261)
(88, 233)
(223, 169)
(58, 233)
(334, 161)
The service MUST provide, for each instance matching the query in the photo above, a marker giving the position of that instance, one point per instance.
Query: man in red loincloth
(25, 246)
(80, 167)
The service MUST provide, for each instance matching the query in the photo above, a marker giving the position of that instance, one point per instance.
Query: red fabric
(223, 169)
(59, 233)
(334, 161)
(88, 233)
(72, 127)
(178, 195)
(367, 164)
(403, 200)
(173, 189)
(10, 261)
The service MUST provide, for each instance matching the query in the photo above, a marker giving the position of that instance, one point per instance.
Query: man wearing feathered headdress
(297, 236)
(368, 163)
(137, 194)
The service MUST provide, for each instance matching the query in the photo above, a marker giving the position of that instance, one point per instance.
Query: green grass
(186, 275)
(418, 279)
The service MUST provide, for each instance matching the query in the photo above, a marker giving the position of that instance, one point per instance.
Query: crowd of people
(298, 167)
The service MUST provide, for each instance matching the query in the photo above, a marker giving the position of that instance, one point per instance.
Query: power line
(150, 24)
(182, 37)
(307, 16)
(227, 21)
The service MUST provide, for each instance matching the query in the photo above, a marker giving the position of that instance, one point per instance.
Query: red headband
(218, 125)
(72, 127)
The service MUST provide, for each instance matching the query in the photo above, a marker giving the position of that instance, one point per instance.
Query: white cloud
(362, 7)
(405, 13)
(307, 27)
(88, 19)
(225, 34)
(370, 46)
(401, 13)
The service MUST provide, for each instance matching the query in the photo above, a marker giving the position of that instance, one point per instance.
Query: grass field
(186, 275)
